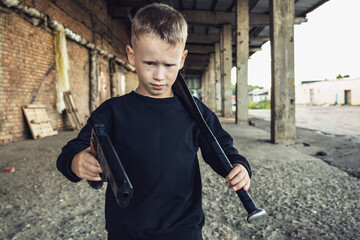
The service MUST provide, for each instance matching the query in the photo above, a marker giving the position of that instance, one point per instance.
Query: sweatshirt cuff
(244, 163)
(65, 167)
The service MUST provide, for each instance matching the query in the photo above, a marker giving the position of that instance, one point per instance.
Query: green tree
(252, 88)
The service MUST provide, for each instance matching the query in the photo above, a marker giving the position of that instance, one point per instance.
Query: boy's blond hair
(160, 20)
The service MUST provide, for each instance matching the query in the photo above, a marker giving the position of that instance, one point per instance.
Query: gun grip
(94, 184)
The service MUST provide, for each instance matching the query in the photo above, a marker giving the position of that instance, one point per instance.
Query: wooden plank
(69, 112)
(72, 111)
(38, 121)
(35, 106)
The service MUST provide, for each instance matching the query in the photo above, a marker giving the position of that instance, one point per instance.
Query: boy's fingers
(238, 178)
(247, 185)
(93, 166)
(89, 175)
(240, 184)
(233, 173)
(92, 178)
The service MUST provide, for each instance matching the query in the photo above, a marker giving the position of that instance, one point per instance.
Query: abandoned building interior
(61, 59)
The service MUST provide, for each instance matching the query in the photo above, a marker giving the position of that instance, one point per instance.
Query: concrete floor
(331, 133)
(339, 121)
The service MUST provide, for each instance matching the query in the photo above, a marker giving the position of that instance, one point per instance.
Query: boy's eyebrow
(154, 61)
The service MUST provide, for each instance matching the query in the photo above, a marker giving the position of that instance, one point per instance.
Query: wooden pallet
(38, 121)
(72, 111)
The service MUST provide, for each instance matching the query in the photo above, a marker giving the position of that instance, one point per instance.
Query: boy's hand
(85, 166)
(238, 178)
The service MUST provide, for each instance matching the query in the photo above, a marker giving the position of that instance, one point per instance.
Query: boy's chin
(160, 93)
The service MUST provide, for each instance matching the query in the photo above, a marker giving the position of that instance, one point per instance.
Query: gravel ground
(305, 198)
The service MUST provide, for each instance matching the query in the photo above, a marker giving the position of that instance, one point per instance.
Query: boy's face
(157, 64)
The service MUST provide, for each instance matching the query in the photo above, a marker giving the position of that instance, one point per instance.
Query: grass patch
(264, 104)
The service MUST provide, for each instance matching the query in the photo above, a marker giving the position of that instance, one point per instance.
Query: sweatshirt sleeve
(225, 141)
(81, 142)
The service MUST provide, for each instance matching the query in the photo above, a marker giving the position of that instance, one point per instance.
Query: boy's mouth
(157, 86)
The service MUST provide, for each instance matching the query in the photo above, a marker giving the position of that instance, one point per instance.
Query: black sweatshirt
(157, 141)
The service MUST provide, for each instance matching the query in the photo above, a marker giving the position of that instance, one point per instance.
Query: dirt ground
(305, 197)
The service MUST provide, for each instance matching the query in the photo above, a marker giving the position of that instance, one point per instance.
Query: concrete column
(227, 65)
(242, 56)
(93, 80)
(211, 81)
(204, 87)
(221, 45)
(217, 79)
(282, 13)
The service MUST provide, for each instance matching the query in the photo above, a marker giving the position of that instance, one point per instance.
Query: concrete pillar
(242, 56)
(93, 80)
(221, 45)
(217, 79)
(282, 13)
(204, 87)
(226, 70)
(211, 82)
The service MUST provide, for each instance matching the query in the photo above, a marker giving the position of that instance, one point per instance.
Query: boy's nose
(159, 73)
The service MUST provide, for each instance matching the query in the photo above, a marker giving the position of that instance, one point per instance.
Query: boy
(156, 139)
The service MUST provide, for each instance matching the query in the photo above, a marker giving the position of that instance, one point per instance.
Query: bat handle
(254, 213)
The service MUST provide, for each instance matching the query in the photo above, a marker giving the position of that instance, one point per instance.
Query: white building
(339, 91)
(258, 95)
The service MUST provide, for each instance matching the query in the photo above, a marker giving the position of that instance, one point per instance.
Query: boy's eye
(150, 63)
(169, 65)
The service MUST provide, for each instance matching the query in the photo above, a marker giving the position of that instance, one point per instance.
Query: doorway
(347, 97)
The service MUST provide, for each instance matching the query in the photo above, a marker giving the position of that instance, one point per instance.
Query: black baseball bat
(181, 89)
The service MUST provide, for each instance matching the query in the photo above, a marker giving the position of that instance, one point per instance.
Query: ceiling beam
(219, 18)
(213, 38)
(207, 49)
(198, 57)
(196, 17)
(181, 6)
(213, 5)
(194, 68)
(201, 49)
(203, 38)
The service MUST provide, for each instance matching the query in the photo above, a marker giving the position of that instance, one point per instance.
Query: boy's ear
(130, 55)
(183, 58)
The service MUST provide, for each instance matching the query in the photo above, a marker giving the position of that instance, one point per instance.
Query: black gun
(113, 170)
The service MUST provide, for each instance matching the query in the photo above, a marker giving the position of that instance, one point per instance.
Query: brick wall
(27, 61)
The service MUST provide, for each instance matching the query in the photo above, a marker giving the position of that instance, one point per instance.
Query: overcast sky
(327, 45)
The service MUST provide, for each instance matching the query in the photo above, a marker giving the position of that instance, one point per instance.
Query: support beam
(204, 87)
(217, 79)
(211, 81)
(282, 71)
(242, 56)
(226, 71)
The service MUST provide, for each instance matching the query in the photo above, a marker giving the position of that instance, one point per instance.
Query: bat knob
(255, 215)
